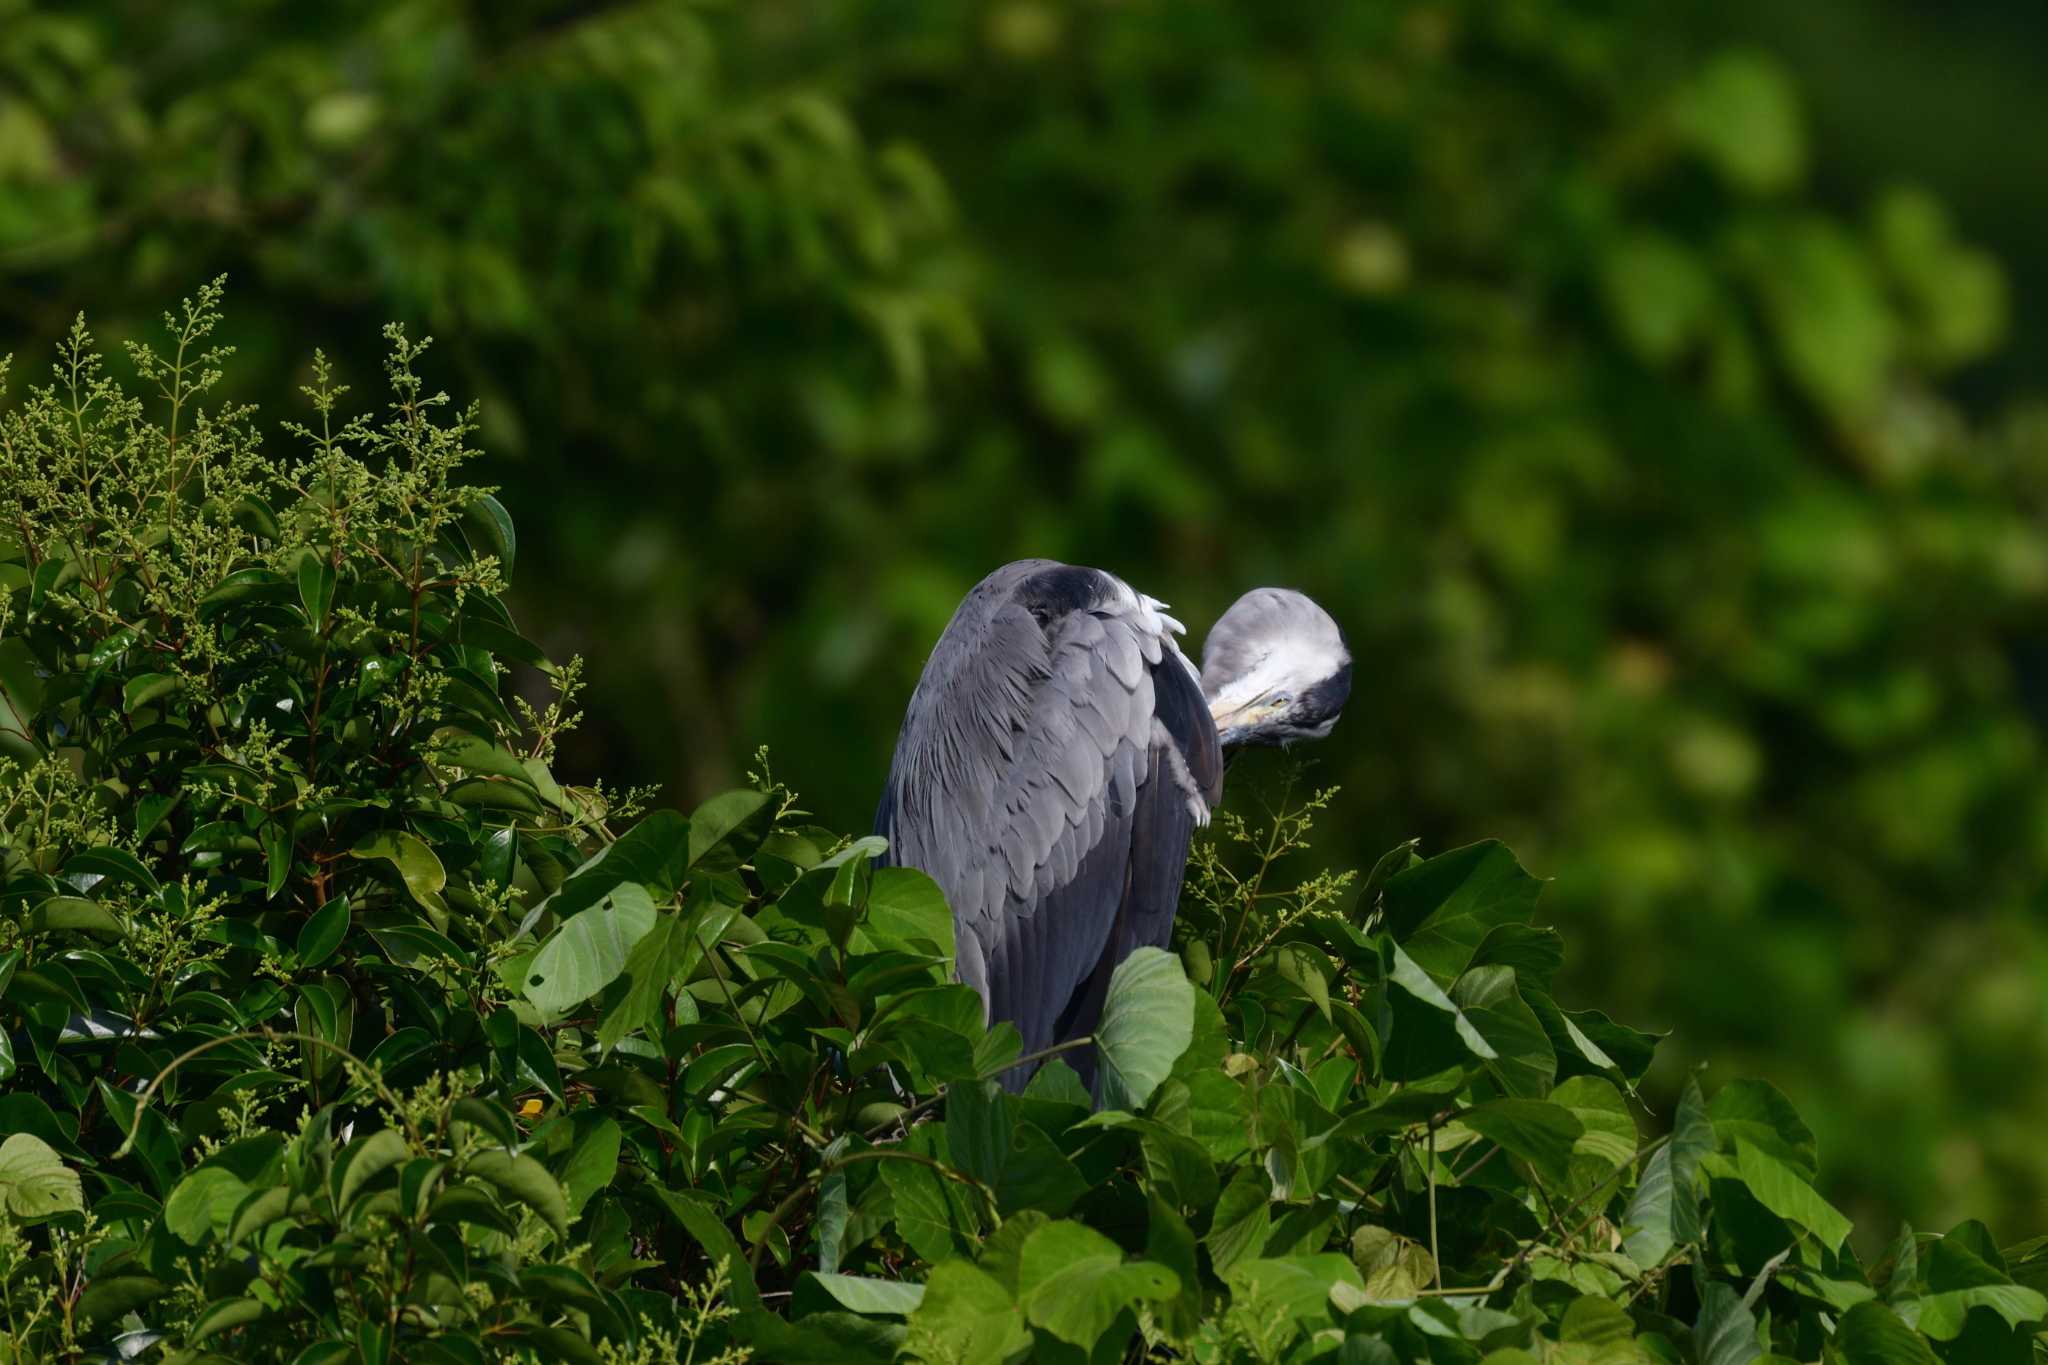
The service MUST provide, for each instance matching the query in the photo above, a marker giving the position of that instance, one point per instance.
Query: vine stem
(1436, 1264)
(270, 1035)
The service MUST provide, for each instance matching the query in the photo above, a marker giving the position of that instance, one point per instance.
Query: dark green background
(1650, 401)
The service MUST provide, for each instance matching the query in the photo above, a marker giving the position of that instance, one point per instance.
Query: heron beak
(1237, 719)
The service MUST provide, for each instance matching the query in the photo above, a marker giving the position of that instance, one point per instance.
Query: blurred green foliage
(1516, 333)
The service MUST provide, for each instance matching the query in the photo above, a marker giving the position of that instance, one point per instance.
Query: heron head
(1275, 669)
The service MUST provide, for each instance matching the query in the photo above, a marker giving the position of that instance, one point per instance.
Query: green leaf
(316, 587)
(144, 688)
(277, 850)
(323, 932)
(969, 1317)
(905, 909)
(710, 1233)
(223, 1315)
(204, 1203)
(416, 863)
(527, 1181)
(725, 829)
(1726, 1331)
(367, 1159)
(1074, 1282)
(1780, 1189)
(1420, 986)
(590, 951)
(72, 913)
(1299, 1286)
(1942, 1316)
(1756, 1112)
(1960, 1277)
(489, 528)
(654, 854)
(1741, 112)
(118, 1296)
(648, 970)
(862, 1294)
(1664, 1212)
(1148, 1020)
(1241, 1220)
(1872, 1334)
(1171, 1243)
(1441, 909)
(593, 1161)
(246, 585)
(921, 1212)
(1539, 1132)
(114, 864)
(34, 1181)
(461, 749)
(1523, 1062)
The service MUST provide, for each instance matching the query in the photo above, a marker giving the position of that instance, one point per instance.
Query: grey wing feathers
(1055, 759)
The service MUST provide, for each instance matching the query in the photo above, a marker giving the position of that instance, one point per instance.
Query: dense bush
(1577, 370)
(337, 1029)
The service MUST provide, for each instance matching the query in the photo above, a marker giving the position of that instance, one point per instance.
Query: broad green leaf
(1664, 1211)
(1942, 1316)
(368, 1159)
(593, 1161)
(1403, 971)
(34, 1181)
(527, 1181)
(1784, 1192)
(590, 951)
(417, 864)
(725, 829)
(648, 970)
(968, 1315)
(1756, 1112)
(316, 587)
(1523, 1061)
(1538, 1131)
(1148, 1020)
(204, 1203)
(1393, 1267)
(905, 909)
(1872, 1334)
(224, 1314)
(1741, 112)
(144, 688)
(489, 528)
(1726, 1332)
(862, 1294)
(1241, 1221)
(72, 913)
(653, 854)
(705, 1227)
(923, 1215)
(1441, 909)
(460, 749)
(118, 1296)
(323, 932)
(114, 864)
(1074, 1282)
(1296, 1285)
(1171, 1243)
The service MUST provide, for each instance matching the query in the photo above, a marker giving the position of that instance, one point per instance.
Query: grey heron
(1056, 758)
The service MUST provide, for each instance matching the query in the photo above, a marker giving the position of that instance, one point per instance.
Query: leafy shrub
(336, 1029)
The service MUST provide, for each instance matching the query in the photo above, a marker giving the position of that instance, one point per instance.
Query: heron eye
(1283, 699)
